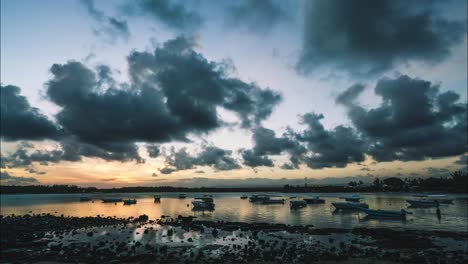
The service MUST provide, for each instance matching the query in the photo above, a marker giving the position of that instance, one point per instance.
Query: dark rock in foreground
(34, 238)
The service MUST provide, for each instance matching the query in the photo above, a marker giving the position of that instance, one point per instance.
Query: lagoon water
(229, 207)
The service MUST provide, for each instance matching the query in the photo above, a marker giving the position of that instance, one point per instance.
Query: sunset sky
(231, 93)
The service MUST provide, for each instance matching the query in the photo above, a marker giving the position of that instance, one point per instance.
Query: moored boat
(182, 196)
(422, 203)
(386, 213)
(314, 200)
(203, 204)
(157, 198)
(349, 205)
(129, 201)
(296, 204)
(259, 198)
(352, 198)
(244, 196)
(85, 199)
(112, 200)
(273, 201)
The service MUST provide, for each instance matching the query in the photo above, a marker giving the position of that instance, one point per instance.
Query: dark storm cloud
(253, 160)
(174, 91)
(153, 150)
(368, 37)
(111, 26)
(173, 14)
(19, 120)
(330, 148)
(414, 122)
(167, 170)
(256, 15)
(71, 150)
(266, 143)
(7, 179)
(211, 156)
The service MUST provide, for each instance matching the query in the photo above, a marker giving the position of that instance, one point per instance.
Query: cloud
(255, 15)
(463, 160)
(19, 120)
(110, 26)
(167, 170)
(173, 92)
(7, 179)
(330, 148)
(71, 150)
(266, 143)
(368, 37)
(217, 158)
(169, 12)
(153, 150)
(253, 160)
(415, 120)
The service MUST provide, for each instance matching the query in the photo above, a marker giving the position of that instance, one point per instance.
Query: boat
(157, 198)
(422, 203)
(203, 204)
(441, 198)
(129, 201)
(296, 204)
(352, 198)
(112, 200)
(243, 197)
(182, 196)
(85, 199)
(259, 198)
(386, 213)
(273, 201)
(349, 205)
(206, 198)
(314, 200)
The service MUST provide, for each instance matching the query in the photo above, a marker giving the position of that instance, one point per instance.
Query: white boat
(203, 204)
(295, 204)
(259, 198)
(349, 205)
(182, 196)
(129, 201)
(314, 200)
(206, 198)
(157, 198)
(386, 213)
(112, 200)
(273, 201)
(352, 198)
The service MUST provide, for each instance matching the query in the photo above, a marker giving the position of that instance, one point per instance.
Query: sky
(231, 93)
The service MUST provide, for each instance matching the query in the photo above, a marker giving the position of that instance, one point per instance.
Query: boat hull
(384, 213)
(348, 205)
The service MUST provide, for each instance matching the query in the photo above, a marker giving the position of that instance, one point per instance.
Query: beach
(45, 238)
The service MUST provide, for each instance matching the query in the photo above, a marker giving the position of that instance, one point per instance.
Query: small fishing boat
(112, 200)
(206, 198)
(182, 196)
(273, 201)
(203, 204)
(296, 204)
(85, 199)
(352, 198)
(244, 196)
(157, 198)
(314, 200)
(129, 201)
(386, 213)
(259, 198)
(349, 205)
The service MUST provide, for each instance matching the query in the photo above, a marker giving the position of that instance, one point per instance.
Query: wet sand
(55, 239)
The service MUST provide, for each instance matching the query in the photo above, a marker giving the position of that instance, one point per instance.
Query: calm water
(229, 207)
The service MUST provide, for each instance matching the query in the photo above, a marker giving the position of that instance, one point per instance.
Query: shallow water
(229, 207)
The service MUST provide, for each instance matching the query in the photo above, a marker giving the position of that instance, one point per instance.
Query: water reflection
(229, 207)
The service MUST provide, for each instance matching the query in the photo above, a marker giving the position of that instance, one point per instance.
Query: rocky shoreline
(36, 238)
